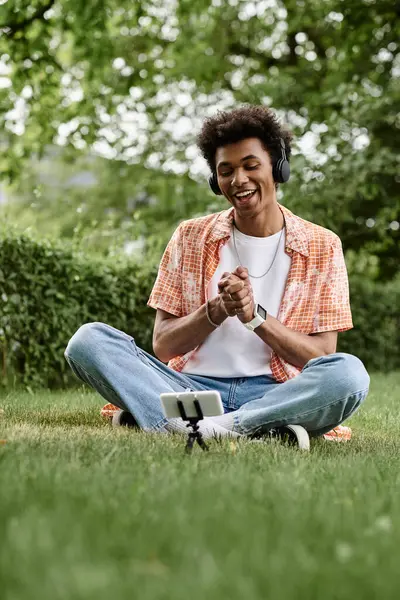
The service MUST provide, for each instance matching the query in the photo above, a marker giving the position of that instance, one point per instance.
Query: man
(249, 302)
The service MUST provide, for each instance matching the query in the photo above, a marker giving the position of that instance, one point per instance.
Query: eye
(225, 173)
(251, 167)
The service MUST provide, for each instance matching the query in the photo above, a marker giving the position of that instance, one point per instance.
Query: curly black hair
(239, 124)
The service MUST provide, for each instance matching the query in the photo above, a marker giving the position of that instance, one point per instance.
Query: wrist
(259, 317)
(248, 315)
(216, 311)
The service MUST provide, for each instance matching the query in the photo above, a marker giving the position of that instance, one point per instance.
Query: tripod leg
(194, 436)
(201, 442)
(189, 443)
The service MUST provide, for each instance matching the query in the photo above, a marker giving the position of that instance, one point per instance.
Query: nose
(239, 178)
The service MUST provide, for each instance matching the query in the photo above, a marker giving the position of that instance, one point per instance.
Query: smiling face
(244, 172)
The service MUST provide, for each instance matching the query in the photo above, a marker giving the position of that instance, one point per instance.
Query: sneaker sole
(296, 433)
(123, 418)
(303, 439)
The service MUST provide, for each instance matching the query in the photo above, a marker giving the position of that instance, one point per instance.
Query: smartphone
(209, 400)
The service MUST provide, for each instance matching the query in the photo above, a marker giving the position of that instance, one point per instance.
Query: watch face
(261, 311)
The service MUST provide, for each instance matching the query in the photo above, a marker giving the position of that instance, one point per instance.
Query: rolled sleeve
(167, 290)
(334, 312)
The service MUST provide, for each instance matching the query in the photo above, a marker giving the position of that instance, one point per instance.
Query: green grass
(90, 512)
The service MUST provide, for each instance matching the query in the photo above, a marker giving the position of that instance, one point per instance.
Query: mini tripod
(195, 435)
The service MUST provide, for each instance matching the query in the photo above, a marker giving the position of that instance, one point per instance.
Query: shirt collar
(296, 229)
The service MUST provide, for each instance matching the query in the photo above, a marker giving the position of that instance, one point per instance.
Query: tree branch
(10, 29)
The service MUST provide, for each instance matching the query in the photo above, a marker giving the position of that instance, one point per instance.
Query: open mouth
(245, 197)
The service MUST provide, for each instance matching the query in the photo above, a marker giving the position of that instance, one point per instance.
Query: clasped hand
(236, 294)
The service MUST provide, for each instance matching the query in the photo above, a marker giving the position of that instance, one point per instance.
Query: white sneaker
(123, 418)
(291, 434)
(295, 434)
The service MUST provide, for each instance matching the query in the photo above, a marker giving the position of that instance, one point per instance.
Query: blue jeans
(326, 392)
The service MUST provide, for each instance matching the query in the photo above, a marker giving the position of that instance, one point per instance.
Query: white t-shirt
(231, 350)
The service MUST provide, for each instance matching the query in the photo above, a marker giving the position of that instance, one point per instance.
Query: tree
(330, 68)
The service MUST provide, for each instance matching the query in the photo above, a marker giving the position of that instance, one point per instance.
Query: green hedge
(48, 290)
(375, 338)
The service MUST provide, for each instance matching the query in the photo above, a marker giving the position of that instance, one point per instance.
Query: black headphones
(280, 171)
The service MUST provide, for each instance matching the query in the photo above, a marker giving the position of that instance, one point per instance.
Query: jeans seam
(304, 414)
(137, 352)
(231, 397)
(76, 363)
(155, 365)
(301, 415)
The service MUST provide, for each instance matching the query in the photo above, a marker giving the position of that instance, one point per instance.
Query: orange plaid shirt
(316, 296)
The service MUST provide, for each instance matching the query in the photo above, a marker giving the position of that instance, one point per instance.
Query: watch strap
(256, 322)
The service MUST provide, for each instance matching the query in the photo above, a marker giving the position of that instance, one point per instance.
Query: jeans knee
(351, 373)
(84, 341)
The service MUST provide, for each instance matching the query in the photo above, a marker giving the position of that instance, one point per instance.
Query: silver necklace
(273, 260)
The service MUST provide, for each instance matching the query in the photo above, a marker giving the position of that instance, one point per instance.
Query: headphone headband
(283, 149)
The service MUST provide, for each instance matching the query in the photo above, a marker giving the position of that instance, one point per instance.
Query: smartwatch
(260, 314)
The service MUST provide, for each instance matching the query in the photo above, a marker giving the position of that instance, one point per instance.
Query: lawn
(91, 512)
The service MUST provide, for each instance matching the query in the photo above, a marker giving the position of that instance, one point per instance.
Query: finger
(223, 283)
(237, 305)
(245, 310)
(240, 294)
(230, 309)
(248, 306)
(242, 304)
(245, 284)
(227, 300)
(234, 287)
(240, 300)
(226, 280)
(226, 276)
(241, 272)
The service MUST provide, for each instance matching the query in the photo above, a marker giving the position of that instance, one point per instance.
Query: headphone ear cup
(285, 171)
(281, 171)
(213, 183)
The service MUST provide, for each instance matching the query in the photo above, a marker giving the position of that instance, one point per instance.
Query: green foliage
(105, 204)
(48, 290)
(330, 68)
(376, 316)
(375, 338)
